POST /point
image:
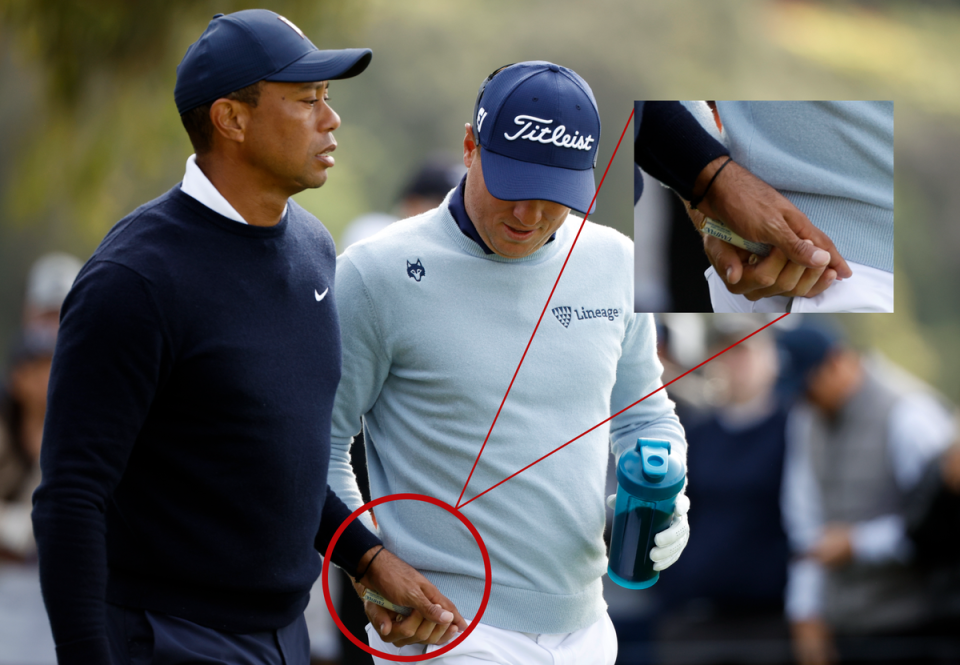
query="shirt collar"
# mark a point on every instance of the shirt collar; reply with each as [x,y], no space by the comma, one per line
[459,212]
[197,185]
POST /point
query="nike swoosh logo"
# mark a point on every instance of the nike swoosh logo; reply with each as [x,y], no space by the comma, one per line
[320,296]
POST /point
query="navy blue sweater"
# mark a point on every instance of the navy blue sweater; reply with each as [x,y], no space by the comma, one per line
[670,145]
[187,437]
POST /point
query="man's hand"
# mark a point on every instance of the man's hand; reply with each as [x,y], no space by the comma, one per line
[435,620]
[812,642]
[773,275]
[671,541]
[835,547]
[950,468]
[758,212]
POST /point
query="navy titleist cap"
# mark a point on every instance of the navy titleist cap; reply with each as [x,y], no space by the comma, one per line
[539,127]
[237,50]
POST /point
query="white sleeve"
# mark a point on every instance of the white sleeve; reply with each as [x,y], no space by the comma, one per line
[804,593]
[920,430]
[365,368]
[800,503]
[801,510]
[881,539]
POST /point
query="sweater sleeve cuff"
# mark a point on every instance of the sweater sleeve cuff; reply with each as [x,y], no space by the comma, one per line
[353,543]
[805,579]
[92,651]
[673,147]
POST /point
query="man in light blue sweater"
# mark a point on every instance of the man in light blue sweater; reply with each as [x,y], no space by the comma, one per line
[435,313]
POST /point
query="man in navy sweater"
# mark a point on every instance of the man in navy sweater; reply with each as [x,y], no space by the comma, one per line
[185,454]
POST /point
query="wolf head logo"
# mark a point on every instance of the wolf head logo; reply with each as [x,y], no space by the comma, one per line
[563,314]
[416,270]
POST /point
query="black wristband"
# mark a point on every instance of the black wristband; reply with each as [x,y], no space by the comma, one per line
[697,200]
[372,559]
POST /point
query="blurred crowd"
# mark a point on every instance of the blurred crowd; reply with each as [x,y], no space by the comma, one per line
[24,631]
[825,504]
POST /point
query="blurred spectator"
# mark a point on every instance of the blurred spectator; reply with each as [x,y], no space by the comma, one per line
[681,344]
[24,630]
[723,600]
[364,226]
[23,404]
[430,185]
[857,445]
[426,190]
[23,400]
[48,283]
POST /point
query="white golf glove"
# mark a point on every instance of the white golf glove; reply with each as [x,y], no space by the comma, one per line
[671,541]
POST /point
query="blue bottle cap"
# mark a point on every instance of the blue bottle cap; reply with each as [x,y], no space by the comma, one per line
[648,471]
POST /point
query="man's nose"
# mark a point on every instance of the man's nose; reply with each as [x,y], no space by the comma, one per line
[529,213]
[329,121]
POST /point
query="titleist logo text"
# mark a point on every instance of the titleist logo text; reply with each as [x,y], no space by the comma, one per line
[541,133]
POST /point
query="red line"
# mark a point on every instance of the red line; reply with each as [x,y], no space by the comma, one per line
[621,411]
[545,305]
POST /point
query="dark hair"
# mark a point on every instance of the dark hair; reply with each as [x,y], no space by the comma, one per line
[197,121]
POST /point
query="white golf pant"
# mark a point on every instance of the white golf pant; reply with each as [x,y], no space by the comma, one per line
[869,290]
[594,645]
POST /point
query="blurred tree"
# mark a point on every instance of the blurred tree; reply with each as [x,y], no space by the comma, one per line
[104,135]
[78,40]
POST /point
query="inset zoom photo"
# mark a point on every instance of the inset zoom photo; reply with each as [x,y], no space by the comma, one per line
[763,206]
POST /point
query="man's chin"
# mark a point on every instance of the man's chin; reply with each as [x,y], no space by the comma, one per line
[514,250]
[313,181]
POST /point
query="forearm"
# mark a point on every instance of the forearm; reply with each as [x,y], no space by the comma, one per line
[71,543]
[638,375]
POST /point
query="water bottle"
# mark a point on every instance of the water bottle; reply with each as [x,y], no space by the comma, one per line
[649,479]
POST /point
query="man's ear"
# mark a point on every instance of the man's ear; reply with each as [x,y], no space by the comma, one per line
[230,119]
[470,148]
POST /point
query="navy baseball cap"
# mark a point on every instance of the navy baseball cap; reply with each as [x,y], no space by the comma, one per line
[239,49]
[802,350]
[540,129]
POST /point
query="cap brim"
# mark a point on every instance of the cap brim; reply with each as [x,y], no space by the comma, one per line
[325,66]
[513,180]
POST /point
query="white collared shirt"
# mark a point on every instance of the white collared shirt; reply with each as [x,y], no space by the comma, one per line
[197,185]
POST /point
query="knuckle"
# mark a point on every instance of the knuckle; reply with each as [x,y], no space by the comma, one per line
[800,246]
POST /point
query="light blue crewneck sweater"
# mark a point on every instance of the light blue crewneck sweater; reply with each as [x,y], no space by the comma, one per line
[426,363]
[831,159]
